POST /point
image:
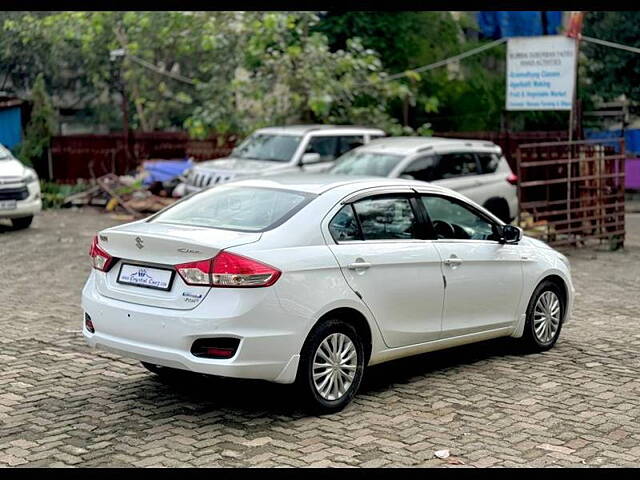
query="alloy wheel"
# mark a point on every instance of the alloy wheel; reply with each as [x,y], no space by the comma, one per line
[546,316]
[334,366]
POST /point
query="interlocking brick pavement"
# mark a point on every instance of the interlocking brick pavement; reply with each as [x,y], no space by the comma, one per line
[63,404]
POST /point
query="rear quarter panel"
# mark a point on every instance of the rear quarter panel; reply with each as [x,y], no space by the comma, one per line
[311,285]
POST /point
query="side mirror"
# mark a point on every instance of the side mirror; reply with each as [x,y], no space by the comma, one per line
[511,234]
[309,158]
[407,176]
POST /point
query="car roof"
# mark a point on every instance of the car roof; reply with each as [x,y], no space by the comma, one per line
[321,182]
[304,129]
[411,145]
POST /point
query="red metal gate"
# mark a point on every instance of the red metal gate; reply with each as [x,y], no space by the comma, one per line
[572,192]
[87,156]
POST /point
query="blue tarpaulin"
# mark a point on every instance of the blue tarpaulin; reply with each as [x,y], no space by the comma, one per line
[164,170]
[499,24]
[10,127]
[631,138]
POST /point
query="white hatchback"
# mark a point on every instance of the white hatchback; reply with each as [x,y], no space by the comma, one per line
[474,168]
[309,279]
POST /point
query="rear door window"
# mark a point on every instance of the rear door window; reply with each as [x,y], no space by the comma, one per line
[488,162]
[423,169]
[386,218]
[453,165]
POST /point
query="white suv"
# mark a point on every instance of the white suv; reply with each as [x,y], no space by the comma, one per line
[19,191]
[474,168]
[275,150]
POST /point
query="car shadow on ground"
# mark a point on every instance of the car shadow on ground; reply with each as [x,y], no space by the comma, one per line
[202,394]
[383,376]
[7,227]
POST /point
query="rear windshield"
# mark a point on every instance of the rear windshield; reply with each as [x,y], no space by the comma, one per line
[366,163]
[245,209]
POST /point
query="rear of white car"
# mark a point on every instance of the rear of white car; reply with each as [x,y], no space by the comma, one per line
[20,196]
[151,296]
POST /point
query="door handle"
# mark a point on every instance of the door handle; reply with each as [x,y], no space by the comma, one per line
[357,265]
[453,262]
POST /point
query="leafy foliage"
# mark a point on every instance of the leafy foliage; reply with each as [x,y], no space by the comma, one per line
[609,72]
[41,126]
[285,74]
[232,72]
[54,194]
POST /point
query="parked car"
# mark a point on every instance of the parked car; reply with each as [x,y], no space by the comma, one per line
[275,150]
[310,278]
[474,168]
[19,190]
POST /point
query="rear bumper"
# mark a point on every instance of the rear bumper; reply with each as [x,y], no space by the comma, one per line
[268,348]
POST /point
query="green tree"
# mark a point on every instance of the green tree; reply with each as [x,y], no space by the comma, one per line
[41,126]
[286,73]
[608,73]
[403,40]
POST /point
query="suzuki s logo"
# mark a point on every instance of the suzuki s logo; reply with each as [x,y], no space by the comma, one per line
[139,243]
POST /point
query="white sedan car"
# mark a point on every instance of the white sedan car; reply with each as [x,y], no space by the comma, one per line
[309,279]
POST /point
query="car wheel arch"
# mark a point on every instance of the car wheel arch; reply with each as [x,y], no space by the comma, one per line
[549,276]
[558,281]
[353,317]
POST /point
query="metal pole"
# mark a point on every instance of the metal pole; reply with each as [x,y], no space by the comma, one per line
[519,186]
[50,162]
[570,145]
[125,126]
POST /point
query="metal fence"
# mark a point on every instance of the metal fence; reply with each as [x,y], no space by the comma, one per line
[87,156]
[572,192]
[510,141]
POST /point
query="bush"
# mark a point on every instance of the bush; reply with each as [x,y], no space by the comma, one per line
[53,194]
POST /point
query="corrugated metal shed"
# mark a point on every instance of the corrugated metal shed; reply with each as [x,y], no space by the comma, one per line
[10,122]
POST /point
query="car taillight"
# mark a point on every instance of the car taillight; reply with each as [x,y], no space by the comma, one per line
[228,270]
[100,259]
[512,178]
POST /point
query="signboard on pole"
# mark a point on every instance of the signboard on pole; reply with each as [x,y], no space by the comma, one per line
[541,73]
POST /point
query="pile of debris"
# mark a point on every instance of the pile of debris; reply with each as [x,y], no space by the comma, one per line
[149,189]
[540,229]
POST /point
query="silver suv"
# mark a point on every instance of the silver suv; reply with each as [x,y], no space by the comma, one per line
[274,150]
[474,168]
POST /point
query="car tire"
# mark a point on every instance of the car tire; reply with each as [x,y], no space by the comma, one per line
[22,222]
[329,389]
[545,315]
[500,208]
